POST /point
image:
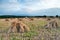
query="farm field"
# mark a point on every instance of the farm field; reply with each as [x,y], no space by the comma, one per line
[38,31]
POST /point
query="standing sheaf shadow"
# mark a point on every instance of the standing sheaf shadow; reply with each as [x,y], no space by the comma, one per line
[18,27]
[52,24]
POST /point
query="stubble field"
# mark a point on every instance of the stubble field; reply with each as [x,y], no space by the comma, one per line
[37,29]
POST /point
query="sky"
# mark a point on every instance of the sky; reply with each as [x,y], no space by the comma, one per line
[29,7]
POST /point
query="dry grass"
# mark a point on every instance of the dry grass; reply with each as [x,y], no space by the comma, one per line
[37,30]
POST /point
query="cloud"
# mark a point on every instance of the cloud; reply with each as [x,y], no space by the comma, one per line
[10,6]
[34,5]
[28,5]
[15,1]
[44,4]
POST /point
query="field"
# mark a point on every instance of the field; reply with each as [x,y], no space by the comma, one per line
[37,29]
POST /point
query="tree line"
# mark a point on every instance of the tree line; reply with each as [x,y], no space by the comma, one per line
[13,16]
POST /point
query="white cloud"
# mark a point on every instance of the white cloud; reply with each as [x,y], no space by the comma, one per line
[44,4]
[10,7]
[13,1]
[30,5]
[34,5]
